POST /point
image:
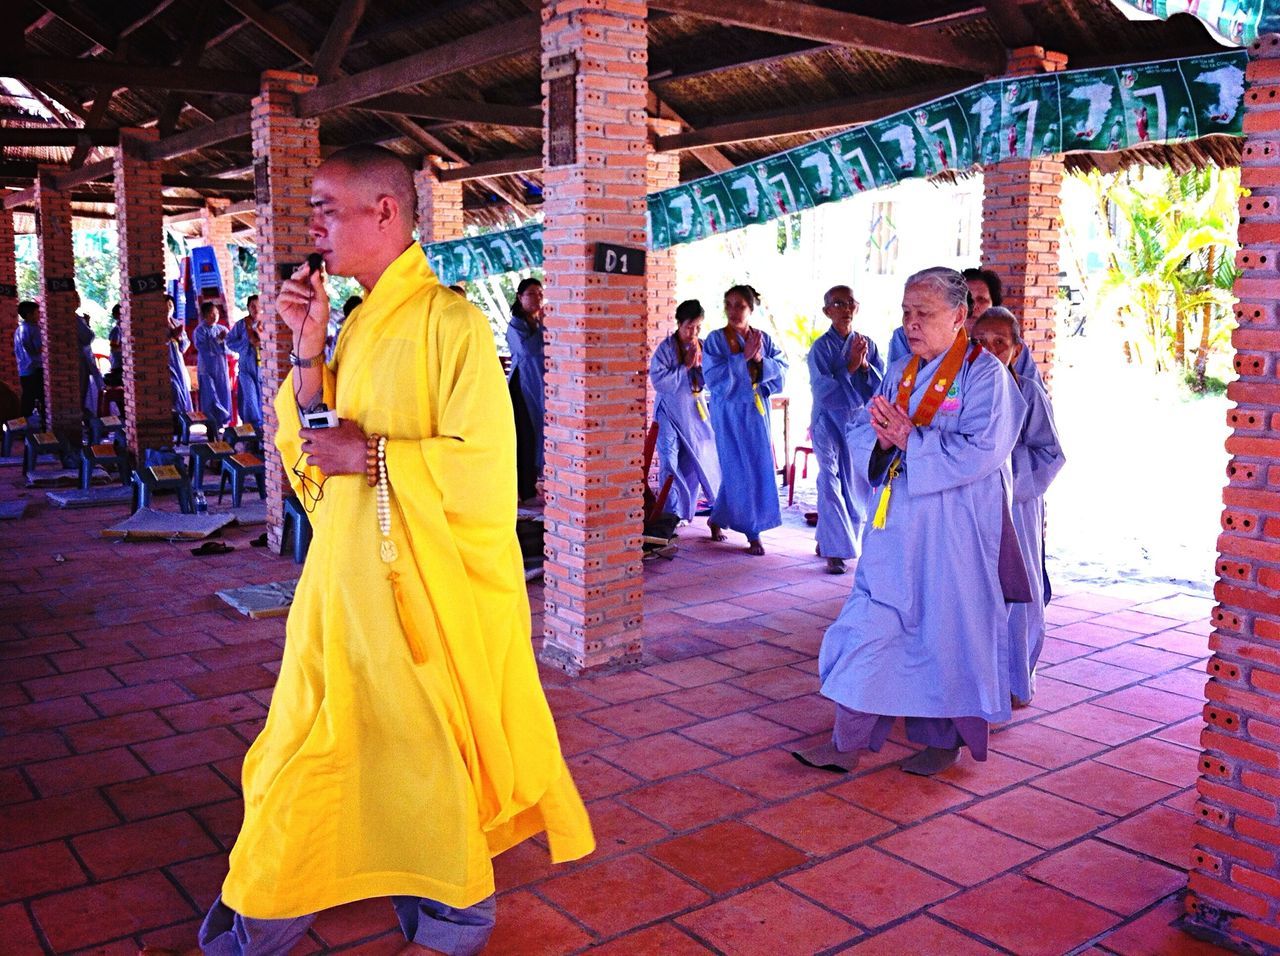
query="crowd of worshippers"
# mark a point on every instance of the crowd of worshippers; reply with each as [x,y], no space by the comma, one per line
[933,462]
[223,396]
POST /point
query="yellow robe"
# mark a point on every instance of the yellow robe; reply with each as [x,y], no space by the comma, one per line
[375,774]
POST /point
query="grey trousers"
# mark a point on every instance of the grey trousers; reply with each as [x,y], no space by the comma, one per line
[458,932]
[855,730]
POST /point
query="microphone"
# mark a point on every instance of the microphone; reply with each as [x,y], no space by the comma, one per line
[315,261]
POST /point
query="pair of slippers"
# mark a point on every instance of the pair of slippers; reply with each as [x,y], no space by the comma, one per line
[217,547]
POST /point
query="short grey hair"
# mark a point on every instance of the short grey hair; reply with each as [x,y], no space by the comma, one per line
[949,283]
[998,313]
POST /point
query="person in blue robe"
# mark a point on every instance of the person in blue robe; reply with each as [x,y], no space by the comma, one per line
[244,341]
[845,369]
[211,368]
[91,381]
[985,290]
[743,368]
[179,384]
[115,340]
[1037,459]
[525,383]
[924,633]
[686,441]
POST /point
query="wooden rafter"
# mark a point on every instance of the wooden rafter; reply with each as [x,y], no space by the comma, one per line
[328,60]
[810,22]
[85,23]
[462,111]
[508,166]
[198,38]
[1011,23]
[100,73]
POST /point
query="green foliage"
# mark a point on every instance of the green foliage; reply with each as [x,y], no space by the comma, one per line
[1171,268]
[28,258]
[244,269]
[798,333]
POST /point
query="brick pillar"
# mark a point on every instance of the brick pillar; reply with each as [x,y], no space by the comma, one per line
[58,309]
[1234,887]
[215,228]
[286,152]
[662,171]
[8,303]
[1020,227]
[439,206]
[594,56]
[144,320]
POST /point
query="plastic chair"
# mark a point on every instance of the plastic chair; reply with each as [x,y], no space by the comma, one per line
[237,469]
[297,526]
[805,450]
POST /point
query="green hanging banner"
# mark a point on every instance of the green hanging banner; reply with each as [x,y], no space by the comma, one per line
[1104,110]
[1234,21]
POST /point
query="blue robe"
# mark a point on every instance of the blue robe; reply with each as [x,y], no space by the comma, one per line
[178,384]
[686,441]
[248,382]
[748,499]
[1037,459]
[837,395]
[1024,366]
[211,372]
[528,364]
[924,632]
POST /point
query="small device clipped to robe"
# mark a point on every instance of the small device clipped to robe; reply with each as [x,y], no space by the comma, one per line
[322,416]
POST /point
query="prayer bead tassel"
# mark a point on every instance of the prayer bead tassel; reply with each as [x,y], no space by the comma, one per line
[388,549]
[759,402]
[882,509]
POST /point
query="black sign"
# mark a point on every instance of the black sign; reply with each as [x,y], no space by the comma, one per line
[139,285]
[8,290]
[621,260]
[60,284]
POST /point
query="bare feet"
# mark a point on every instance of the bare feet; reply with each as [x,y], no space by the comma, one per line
[929,761]
[835,565]
[717,533]
[755,547]
[826,757]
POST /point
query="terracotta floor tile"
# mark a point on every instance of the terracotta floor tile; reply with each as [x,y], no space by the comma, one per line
[902,797]
[92,914]
[1055,694]
[564,699]
[147,696]
[117,731]
[355,921]
[87,770]
[999,912]
[693,672]
[1187,682]
[660,755]
[714,700]
[727,856]
[1135,657]
[1058,614]
[164,793]
[134,847]
[768,920]
[1179,641]
[771,774]
[524,863]
[580,736]
[739,734]
[1035,743]
[620,894]
[201,878]
[869,887]
[1092,601]
[639,718]
[665,939]
[22,824]
[958,849]
[214,712]
[1154,932]
[921,935]
[819,823]
[526,926]
[1056,650]
[988,776]
[1092,634]
[1137,622]
[810,714]
[1105,788]
[779,683]
[232,680]
[1036,817]
[1186,733]
[222,820]
[619,829]
[1153,704]
[1157,759]
[1159,832]
[757,657]
[45,715]
[1183,607]
[629,685]
[35,870]
[1102,874]
[1094,674]
[595,778]
[187,750]
[14,787]
[65,685]
[1099,723]
[687,801]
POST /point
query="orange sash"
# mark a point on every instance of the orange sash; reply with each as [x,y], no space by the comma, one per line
[943,379]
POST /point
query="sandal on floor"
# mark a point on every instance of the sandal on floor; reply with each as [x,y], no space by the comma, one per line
[211,547]
[260,541]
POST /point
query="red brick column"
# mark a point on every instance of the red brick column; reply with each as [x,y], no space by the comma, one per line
[286,152]
[1235,862]
[144,320]
[215,228]
[594,177]
[439,206]
[662,171]
[58,309]
[8,304]
[1020,227]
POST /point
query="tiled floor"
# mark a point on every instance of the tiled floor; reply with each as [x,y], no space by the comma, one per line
[128,695]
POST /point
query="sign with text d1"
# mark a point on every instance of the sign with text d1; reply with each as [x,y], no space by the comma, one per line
[620,260]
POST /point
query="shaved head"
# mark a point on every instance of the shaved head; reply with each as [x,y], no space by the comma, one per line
[377,172]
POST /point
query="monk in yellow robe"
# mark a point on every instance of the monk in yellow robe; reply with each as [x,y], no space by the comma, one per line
[409,740]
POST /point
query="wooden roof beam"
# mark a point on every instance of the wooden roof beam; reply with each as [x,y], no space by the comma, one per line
[84,23]
[30,136]
[850,112]
[1011,23]
[809,22]
[328,59]
[275,27]
[100,73]
[460,111]
[507,166]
